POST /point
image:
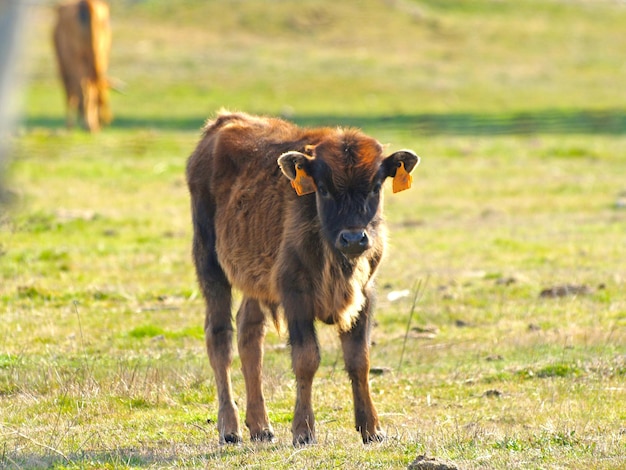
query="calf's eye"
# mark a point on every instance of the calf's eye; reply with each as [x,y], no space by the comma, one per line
[322,191]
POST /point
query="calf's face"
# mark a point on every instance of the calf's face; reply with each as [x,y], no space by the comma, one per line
[347,182]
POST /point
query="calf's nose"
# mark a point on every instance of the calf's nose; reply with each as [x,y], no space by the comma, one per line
[353,242]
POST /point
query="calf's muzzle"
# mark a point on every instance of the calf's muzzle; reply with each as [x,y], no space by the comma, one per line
[352,242]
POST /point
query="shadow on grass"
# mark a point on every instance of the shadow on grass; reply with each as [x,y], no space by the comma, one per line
[115,458]
[609,122]
[166,455]
[123,122]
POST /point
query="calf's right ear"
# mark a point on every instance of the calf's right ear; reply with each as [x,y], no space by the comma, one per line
[297,167]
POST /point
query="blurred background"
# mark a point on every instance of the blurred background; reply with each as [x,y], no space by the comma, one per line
[460,67]
[500,336]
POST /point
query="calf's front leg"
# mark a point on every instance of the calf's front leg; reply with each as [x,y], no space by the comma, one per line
[305,359]
[355,345]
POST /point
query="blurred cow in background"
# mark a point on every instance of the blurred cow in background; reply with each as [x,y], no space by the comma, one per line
[82,41]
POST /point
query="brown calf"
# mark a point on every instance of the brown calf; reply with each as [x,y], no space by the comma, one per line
[310,248]
[82,42]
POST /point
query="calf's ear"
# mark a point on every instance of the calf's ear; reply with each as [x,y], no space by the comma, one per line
[398,166]
[297,167]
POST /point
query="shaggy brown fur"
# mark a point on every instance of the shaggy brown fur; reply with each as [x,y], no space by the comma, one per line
[312,256]
[82,41]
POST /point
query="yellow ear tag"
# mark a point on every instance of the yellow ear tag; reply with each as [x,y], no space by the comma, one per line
[303,183]
[402,180]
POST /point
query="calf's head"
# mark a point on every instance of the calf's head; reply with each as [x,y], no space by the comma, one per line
[346,174]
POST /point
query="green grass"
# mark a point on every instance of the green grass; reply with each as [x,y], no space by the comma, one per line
[518,112]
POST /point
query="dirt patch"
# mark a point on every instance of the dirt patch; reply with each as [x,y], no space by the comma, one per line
[565,290]
[430,463]
[380,370]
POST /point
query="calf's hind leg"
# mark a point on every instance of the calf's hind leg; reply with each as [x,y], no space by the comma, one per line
[250,336]
[218,332]
[218,324]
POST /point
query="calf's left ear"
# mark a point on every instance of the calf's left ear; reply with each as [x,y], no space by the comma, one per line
[297,167]
[399,165]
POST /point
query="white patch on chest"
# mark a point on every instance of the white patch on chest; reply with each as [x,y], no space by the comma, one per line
[341,298]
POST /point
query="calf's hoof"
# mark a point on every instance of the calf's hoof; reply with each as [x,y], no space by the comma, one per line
[265,435]
[303,439]
[378,436]
[230,438]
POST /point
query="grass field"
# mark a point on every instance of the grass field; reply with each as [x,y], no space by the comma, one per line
[518,111]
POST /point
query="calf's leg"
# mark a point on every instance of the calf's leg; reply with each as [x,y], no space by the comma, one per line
[218,327]
[305,353]
[355,345]
[250,336]
[218,332]
[305,359]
